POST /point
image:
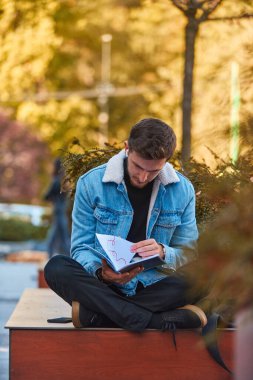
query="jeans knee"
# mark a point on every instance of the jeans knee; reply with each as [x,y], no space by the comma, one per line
[56,269]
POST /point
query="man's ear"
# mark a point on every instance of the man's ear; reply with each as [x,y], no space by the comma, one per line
[126,147]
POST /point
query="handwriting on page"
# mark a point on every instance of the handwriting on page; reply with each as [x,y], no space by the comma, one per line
[111,247]
[117,249]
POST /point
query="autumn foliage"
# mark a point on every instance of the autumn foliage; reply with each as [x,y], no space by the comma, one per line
[22,163]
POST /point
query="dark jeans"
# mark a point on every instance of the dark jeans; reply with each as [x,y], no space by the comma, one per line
[67,278]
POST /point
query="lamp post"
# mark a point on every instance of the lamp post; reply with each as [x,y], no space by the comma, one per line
[105,89]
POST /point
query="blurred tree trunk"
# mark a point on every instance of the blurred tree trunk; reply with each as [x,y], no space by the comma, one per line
[191,31]
[196,12]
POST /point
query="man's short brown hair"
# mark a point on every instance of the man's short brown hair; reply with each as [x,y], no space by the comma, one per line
[152,139]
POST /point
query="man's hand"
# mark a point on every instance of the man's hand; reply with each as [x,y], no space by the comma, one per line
[147,248]
[118,278]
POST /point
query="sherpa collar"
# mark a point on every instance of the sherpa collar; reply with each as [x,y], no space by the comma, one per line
[115,171]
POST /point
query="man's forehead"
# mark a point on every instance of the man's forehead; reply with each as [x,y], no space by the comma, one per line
[147,164]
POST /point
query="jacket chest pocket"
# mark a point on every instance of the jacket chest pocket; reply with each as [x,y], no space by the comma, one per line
[168,220]
[106,221]
[165,226]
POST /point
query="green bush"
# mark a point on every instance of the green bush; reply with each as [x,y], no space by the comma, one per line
[212,186]
[18,230]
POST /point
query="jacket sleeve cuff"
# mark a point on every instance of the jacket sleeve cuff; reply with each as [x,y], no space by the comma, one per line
[170,257]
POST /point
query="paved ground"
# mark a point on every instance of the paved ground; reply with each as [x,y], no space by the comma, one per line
[7,247]
[14,278]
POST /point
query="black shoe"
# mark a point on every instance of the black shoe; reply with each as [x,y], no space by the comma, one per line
[186,317]
[82,317]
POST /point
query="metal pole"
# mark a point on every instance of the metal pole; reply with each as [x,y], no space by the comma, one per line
[106,58]
[104,88]
[234,117]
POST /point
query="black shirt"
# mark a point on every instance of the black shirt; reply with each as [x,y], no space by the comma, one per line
[140,199]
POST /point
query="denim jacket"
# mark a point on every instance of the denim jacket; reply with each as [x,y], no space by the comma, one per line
[102,206]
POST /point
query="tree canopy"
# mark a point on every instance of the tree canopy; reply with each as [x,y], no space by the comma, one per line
[51,57]
[21,167]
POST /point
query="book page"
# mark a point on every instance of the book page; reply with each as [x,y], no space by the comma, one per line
[117,249]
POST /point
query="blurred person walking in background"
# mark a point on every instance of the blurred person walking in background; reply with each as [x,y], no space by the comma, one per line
[58,239]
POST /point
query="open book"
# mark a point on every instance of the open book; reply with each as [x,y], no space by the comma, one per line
[118,255]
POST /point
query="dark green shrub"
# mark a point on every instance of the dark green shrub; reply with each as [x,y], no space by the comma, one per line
[226,251]
[19,230]
[77,164]
[210,185]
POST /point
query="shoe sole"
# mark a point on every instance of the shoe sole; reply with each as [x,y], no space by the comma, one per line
[75,314]
[200,313]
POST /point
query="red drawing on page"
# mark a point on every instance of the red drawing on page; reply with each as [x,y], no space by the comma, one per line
[111,248]
[111,242]
[116,256]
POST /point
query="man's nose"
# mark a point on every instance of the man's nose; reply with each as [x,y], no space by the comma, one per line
[143,176]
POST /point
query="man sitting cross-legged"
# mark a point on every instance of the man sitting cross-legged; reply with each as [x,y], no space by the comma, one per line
[138,196]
